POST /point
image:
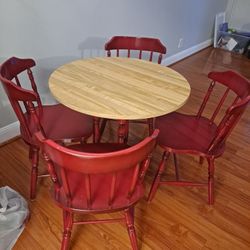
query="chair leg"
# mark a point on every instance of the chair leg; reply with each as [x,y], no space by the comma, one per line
[123,127]
[129,217]
[150,126]
[34,153]
[97,131]
[67,228]
[102,127]
[210,181]
[176,167]
[158,176]
[126,132]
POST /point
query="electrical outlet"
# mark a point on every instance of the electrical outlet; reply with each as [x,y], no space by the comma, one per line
[180,44]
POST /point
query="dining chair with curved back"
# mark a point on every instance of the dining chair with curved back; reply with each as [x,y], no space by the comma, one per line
[57,122]
[199,135]
[101,178]
[141,45]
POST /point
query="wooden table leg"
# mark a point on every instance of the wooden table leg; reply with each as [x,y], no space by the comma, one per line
[96,136]
[151,125]
[122,131]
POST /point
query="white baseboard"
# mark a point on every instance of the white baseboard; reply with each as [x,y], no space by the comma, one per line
[9,131]
[187,52]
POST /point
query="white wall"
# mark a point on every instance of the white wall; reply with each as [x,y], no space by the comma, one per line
[238,14]
[54,32]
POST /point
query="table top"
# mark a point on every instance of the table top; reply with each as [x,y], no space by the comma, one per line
[119,88]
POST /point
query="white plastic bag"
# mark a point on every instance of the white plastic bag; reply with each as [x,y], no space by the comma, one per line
[13,212]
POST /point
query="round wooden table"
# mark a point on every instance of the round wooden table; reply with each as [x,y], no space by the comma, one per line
[119,88]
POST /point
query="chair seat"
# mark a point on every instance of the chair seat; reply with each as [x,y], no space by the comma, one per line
[100,196]
[60,122]
[186,132]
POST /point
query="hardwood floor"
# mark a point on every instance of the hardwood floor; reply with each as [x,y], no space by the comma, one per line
[178,217]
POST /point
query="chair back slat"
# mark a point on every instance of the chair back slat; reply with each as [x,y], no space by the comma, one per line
[112,189]
[34,87]
[144,168]
[128,53]
[52,173]
[65,185]
[134,181]
[19,84]
[88,189]
[140,54]
[222,100]
[137,44]
[24,103]
[159,58]
[20,116]
[206,98]
[151,56]
[17,81]
[35,118]
[107,166]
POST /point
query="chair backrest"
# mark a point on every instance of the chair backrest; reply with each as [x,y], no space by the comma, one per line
[63,162]
[140,44]
[9,71]
[240,87]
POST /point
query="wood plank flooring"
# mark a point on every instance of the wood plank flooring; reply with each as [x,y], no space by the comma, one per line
[178,218]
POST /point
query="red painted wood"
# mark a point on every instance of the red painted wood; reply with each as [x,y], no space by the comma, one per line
[219,105]
[176,167]
[96,129]
[122,131]
[67,226]
[201,136]
[135,43]
[104,221]
[98,178]
[141,45]
[129,217]
[157,178]
[112,189]
[144,169]
[134,181]
[51,120]
[206,98]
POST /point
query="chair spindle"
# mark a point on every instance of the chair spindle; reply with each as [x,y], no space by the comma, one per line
[88,190]
[112,189]
[134,180]
[151,56]
[220,105]
[203,105]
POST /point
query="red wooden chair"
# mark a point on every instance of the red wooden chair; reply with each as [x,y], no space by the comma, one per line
[142,45]
[102,178]
[198,135]
[56,121]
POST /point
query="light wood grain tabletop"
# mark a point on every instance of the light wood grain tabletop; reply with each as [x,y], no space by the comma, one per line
[119,88]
